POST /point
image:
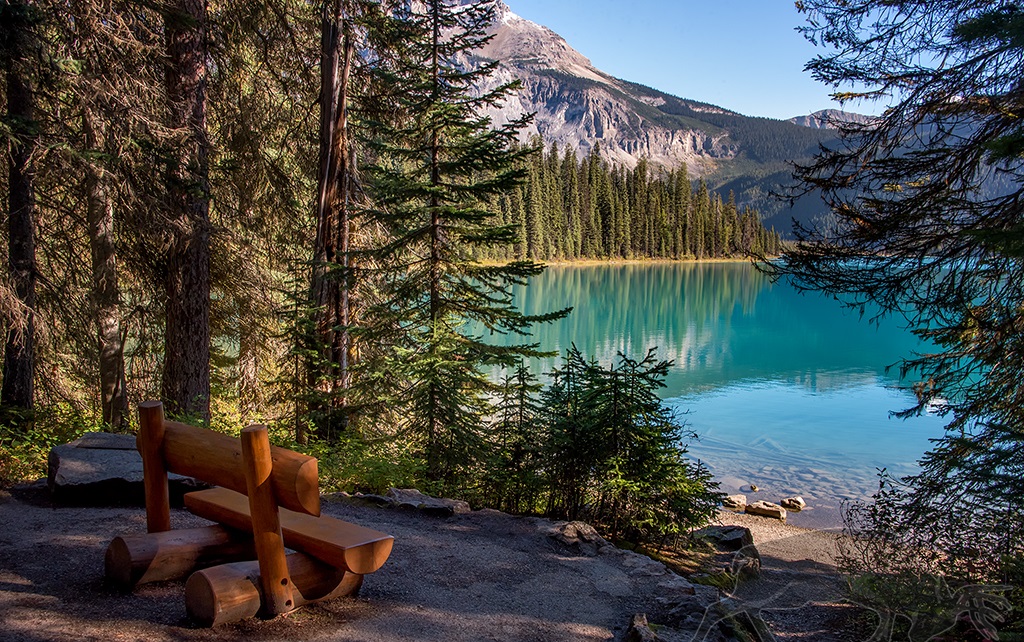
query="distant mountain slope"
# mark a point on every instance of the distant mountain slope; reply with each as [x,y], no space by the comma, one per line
[827,118]
[580,106]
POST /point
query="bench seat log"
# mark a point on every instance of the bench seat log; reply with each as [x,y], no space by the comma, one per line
[171,555]
[217,458]
[341,544]
[229,592]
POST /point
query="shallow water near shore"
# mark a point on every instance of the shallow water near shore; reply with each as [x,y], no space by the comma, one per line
[789,392]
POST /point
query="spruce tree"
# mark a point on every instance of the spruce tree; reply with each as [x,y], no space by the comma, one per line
[438,165]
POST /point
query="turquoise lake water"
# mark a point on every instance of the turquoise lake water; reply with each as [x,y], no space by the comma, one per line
[786,391]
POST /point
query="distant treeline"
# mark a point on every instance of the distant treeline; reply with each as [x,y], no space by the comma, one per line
[585,208]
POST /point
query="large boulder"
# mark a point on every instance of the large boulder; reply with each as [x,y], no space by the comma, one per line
[104,469]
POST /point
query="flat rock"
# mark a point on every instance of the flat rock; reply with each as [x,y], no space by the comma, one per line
[766,509]
[103,469]
[412,499]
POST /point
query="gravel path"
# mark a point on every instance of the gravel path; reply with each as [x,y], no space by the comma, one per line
[799,593]
[474,577]
[480,576]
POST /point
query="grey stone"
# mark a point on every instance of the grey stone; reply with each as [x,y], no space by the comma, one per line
[735,502]
[794,503]
[727,538]
[429,505]
[675,586]
[767,509]
[581,537]
[106,441]
[95,475]
[359,500]
[638,565]
[639,630]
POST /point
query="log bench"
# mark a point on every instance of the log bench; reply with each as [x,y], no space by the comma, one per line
[266,499]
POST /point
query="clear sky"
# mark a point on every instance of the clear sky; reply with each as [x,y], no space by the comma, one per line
[743,55]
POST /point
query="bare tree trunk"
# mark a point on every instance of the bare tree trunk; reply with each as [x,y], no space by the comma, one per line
[106,292]
[331,292]
[19,353]
[186,377]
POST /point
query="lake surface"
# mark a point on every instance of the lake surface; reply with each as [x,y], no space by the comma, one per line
[786,391]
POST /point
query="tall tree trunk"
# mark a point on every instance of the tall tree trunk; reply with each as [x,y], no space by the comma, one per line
[106,292]
[186,376]
[331,281]
[19,353]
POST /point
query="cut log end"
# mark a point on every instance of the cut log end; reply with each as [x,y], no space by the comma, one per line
[117,565]
[221,595]
[229,593]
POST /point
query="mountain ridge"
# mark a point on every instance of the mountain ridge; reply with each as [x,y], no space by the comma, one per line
[579,106]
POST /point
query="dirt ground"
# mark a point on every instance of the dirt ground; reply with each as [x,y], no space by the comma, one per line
[474,577]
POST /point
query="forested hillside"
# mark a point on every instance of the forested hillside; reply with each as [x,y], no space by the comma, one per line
[583,208]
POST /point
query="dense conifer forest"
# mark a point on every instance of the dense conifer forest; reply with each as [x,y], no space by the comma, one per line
[573,208]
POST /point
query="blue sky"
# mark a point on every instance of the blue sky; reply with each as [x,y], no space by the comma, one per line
[740,54]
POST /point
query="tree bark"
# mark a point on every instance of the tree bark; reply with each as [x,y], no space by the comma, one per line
[19,354]
[186,376]
[331,293]
[106,292]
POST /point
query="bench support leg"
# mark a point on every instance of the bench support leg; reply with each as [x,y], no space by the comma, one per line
[266,522]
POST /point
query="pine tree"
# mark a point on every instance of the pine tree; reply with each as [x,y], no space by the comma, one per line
[438,166]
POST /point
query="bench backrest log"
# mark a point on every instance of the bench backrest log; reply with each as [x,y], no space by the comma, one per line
[270,477]
[215,458]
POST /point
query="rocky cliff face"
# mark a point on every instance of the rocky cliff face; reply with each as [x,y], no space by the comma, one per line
[580,106]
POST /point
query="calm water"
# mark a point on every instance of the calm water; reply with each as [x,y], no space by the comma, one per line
[786,391]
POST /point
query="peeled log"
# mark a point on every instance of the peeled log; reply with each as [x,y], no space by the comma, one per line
[229,592]
[155,557]
[354,548]
[217,458]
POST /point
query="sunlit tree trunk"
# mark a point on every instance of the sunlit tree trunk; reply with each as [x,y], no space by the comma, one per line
[186,376]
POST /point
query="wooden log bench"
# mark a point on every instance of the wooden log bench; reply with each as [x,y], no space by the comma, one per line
[267,499]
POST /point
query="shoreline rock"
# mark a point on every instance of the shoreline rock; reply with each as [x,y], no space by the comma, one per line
[766,509]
